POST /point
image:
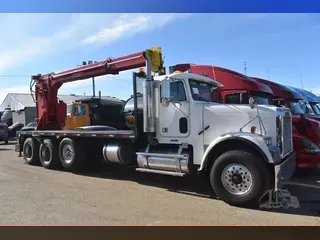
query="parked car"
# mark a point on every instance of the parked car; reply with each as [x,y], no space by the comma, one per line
[29,127]
[14,128]
[4,133]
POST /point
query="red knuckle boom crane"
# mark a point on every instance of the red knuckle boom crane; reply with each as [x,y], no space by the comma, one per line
[51,113]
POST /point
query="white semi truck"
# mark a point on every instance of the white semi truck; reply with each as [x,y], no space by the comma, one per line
[175,128]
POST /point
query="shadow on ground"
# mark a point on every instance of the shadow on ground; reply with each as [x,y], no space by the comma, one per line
[8,144]
[5,149]
[309,197]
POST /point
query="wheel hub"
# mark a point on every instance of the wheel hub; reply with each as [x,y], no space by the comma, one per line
[67,153]
[236,179]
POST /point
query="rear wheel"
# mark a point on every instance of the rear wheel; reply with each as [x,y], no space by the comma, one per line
[72,154]
[48,154]
[240,178]
[30,151]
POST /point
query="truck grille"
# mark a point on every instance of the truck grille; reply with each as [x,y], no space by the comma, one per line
[284,131]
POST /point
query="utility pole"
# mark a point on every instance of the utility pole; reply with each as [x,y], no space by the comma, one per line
[301,82]
[93,87]
[245,68]
[93,82]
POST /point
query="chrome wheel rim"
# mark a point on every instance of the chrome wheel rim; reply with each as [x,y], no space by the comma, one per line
[67,153]
[236,179]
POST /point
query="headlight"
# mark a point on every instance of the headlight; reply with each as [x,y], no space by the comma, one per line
[309,146]
[268,141]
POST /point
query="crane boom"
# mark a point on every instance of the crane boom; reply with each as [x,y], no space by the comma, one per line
[51,113]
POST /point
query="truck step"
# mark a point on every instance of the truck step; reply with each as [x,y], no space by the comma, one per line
[176,174]
[160,155]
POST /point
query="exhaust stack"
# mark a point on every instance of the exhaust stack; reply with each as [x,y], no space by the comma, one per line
[148,100]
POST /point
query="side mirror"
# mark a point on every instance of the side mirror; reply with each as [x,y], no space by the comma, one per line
[252,103]
[165,92]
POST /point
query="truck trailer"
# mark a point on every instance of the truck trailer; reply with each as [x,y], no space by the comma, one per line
[170,129]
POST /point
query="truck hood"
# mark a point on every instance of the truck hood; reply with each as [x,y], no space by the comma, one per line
[226,118]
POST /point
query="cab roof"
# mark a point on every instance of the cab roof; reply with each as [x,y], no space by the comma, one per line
[230,79]
[307,96]
[186,75]
[279,90]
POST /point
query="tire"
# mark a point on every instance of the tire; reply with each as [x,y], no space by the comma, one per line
[72,154]
[6,142]
[49,155]
[249,168]
[30,151]
[285,204]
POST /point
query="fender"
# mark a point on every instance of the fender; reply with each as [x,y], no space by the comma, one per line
[254,140]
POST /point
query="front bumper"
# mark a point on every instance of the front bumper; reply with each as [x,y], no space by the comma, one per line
[3,138]
[308,160]
[284,170]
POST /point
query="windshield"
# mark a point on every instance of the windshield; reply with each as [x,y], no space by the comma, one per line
[315,107]
[69,109]
[307,109]
[202,91]
[32,124]
[296,107]
[261,100]
[243,98]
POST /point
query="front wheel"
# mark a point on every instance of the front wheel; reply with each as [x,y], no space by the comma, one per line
[240,178]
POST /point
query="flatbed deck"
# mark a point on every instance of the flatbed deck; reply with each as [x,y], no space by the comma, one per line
[114,134]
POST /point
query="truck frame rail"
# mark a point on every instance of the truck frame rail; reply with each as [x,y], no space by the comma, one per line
[114,134]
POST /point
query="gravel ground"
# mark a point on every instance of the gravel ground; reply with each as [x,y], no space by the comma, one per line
[118,195]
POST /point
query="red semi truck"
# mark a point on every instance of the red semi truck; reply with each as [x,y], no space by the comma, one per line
[307,148]
[238,88]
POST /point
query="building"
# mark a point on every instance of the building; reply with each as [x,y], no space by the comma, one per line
[23,107]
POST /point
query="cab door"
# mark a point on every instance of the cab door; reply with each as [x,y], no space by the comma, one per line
[174,118]
[78,116]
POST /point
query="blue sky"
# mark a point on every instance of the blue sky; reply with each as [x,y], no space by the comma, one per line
[286,44]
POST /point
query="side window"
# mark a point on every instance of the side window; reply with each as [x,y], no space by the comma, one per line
[237,98]
[177,91]
[79,110]
[233,98]
[278,103]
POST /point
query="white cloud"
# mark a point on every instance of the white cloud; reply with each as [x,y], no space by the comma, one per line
[38,36]
[314,90]
[34,36]
[129,24]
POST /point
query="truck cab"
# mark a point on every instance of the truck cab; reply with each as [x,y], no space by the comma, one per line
[237,88]
[310,103]
[306,129]
[93,111]
[77,116]
[185,119]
